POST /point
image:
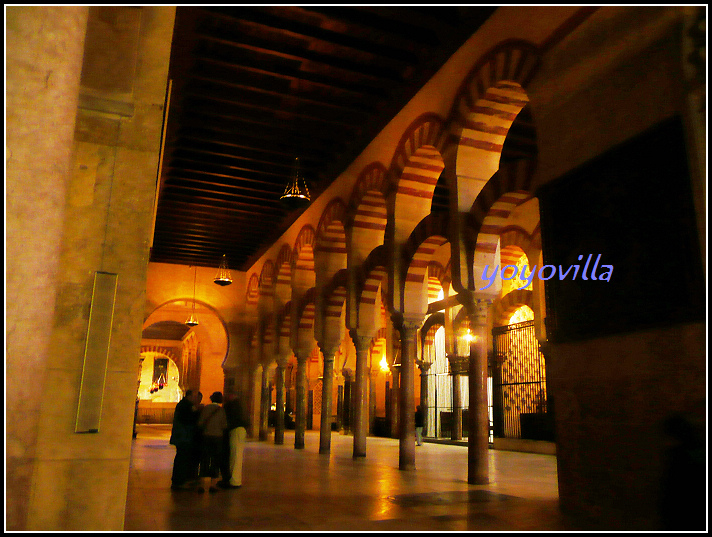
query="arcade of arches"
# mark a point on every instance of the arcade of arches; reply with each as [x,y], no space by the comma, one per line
[377,300]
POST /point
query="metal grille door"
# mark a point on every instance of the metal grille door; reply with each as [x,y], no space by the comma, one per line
[519,383]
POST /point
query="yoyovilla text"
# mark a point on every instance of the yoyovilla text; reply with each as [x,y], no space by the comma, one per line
[547,272]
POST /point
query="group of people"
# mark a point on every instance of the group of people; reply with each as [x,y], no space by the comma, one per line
[209,440]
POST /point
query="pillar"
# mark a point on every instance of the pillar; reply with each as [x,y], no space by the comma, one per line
[279,396]
[255,400]
[406,446]
[43,67]
[424,401]
[478,434]
[372,380]
[327,387]
[456,432]
[395,396]
[301,403]
[360,394]
[264,404]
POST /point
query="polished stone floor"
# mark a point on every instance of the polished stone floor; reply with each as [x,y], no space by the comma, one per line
[299,490]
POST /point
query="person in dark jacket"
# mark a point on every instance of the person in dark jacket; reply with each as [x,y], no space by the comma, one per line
[234,443]
[419,424]
[183,432]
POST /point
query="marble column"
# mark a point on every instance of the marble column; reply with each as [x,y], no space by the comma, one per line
[372,380]
[406,446]
[279,396]
[360,426]
[301,403]
[327,391]
[264,404]
[424,400]
[456,431]
[395,403]
[478,433]
[255,399]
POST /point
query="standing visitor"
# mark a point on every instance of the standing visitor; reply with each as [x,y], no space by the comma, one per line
[212,423]
[419,424]
[182,437]
[235,445]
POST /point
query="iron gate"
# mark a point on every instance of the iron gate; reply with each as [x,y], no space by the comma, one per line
[519,384]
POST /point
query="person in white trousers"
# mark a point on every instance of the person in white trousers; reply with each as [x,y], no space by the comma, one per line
[232,476]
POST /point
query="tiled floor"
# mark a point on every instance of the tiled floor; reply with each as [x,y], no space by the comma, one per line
[299,490]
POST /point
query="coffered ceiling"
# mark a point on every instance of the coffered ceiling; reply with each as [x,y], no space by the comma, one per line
[255,87]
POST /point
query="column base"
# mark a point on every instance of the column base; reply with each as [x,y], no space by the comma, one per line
[406,466]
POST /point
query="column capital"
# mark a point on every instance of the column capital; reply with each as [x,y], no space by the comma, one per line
[424,366]
[478,309]
[410,325]
[361,340]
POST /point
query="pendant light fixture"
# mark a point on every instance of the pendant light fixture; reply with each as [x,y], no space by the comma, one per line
[192,321]
[223,277]
[296,194]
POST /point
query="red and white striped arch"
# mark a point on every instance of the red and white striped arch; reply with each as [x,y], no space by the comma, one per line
[503,308]
[330,250]
[418,252]
[283,275]
[283,347]
[373,274]
[487,103]
[333,304]
[416,166]
[253,293]
[266,286]
[306,313]
[368,213]
[303,276]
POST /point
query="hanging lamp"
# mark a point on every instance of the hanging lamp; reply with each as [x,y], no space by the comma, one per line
[296,193]
[192,321]
[223,277]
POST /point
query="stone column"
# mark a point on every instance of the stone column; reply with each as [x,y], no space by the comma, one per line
[339,407]
[45,47]
[254,406]
[372,380]
[346,406]
[279,396]
[360,426]
[478,434]
[301,403]
[327,390]
[424,401]
[264,405]
[456,431]
[395,395]
[406,451]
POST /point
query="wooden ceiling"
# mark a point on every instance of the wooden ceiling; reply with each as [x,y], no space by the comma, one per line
[253,88]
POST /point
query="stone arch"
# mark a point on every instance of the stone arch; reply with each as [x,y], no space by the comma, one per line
[438,279]
[334,297]
[212,335]
[266,286]
[429,235]
[368,213]
[283,327]
[252,293]
[306,314]
[330,244]
[503,308]
[486,105]
[283,275]
[303,275]
[430,326]
[416,167]
[373,273]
